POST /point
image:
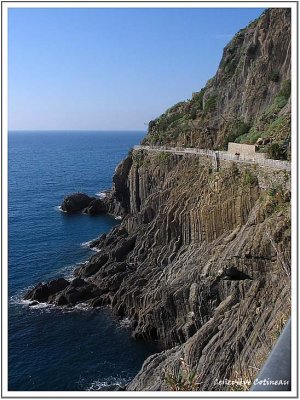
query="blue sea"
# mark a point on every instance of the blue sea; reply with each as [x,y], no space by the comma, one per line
[50,348]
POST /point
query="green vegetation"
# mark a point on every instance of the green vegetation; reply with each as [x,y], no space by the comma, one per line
[210,104]
[231,67]
[162,129]
[249,137]
[231,60]
[151,125]
[185,380]
[285,90]
[237,129]
[137,157]
[193,113]
[276,199]
[273,126]
[175,107]
[249,179]
[277,151]
[273,191]
[233,170]
[252,49]
[197,100]
[280,101]
[169,126]
[274,76]
[187,122]
[163,157]
[232,55]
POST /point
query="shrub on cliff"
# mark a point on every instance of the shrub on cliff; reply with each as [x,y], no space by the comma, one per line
[185,379]
[211,103]
[137,157]
[249,179]
[274,76]
[285,89]
[197,100]
[163,157]
[237,129]
[276,151]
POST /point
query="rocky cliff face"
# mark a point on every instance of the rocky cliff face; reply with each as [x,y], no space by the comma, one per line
[247,99]
[201,265]
[201,261]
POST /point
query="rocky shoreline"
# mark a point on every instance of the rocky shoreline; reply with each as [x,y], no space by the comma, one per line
[210,286]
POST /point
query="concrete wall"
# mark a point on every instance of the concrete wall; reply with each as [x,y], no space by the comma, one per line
[243,149]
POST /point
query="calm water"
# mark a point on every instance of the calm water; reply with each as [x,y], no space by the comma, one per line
[51,349]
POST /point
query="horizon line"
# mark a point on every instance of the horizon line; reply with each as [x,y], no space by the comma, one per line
[76,130]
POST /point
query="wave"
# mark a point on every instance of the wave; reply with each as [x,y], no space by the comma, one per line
[118,217]
[39,306]
[102,195]
[18,300]
[68,270]
[95,249]
[88,243]
[82,307]
[47,307]
[58,208]
[110,383]
[125,323]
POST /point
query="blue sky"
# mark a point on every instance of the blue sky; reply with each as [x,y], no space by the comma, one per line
[111,69]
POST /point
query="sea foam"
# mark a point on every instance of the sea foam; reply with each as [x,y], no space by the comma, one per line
[110,383]
[88,243]
[101,195]
[58,208]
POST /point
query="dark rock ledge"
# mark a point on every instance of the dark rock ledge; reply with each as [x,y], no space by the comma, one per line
[81,202]
[61,292]
[95,281]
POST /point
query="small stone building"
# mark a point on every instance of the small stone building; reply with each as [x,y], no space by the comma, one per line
[248,150]
[245,151]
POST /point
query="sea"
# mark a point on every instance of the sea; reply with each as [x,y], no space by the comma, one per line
[52,349]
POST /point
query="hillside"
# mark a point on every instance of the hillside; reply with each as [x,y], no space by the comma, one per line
[247,99]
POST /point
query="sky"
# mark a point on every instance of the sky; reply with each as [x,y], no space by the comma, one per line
[111,69]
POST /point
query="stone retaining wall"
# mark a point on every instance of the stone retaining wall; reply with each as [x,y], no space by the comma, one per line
[253,158]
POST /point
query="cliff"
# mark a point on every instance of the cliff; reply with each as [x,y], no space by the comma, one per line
[247,99]
[201,260]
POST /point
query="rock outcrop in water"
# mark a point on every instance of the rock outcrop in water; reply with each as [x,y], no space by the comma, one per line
[201,260]
[76,202]
[43,291]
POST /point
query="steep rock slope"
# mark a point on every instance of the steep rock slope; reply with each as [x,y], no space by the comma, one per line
[249,93]
[201,265]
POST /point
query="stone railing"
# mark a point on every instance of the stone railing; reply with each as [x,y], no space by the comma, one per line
[221,155]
